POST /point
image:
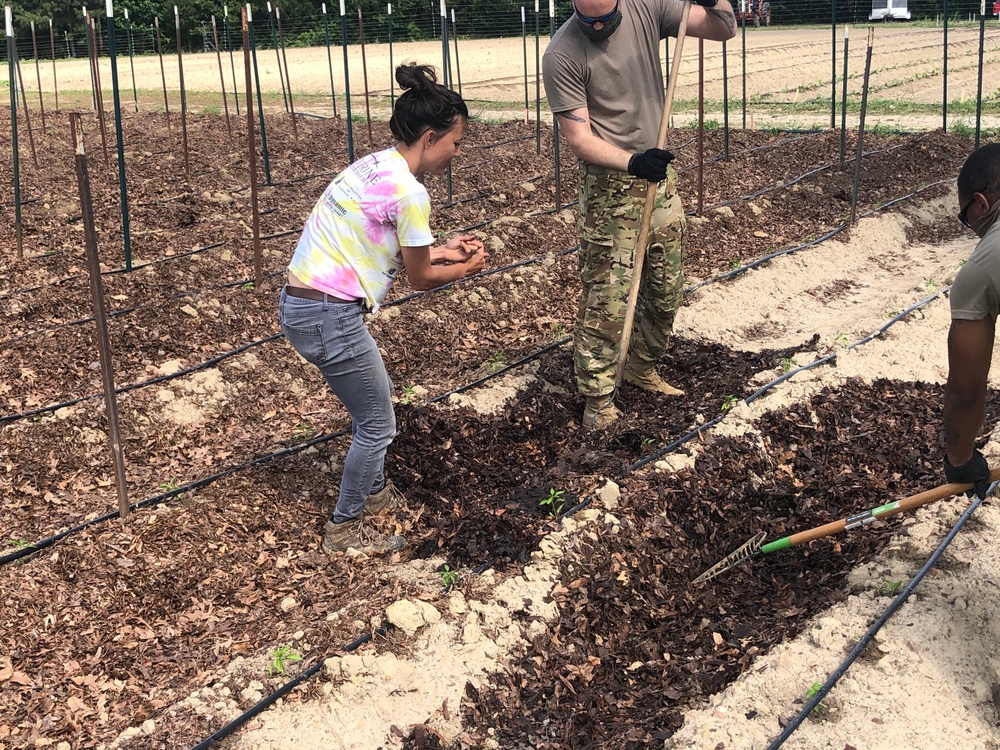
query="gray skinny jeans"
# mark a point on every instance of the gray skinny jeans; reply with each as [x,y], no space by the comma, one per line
[333,336]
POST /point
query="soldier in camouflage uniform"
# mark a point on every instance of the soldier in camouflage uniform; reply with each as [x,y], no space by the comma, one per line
[602,79]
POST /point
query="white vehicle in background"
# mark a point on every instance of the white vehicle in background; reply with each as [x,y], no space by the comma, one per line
[889,10]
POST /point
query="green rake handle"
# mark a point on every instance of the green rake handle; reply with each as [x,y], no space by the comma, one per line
[754,547]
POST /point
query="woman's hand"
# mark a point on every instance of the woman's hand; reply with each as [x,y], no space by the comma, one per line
[461,248]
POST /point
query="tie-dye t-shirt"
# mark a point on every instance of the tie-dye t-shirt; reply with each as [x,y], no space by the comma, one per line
[350,246]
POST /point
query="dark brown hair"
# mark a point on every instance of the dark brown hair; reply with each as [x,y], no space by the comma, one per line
[981,172]
[424,105]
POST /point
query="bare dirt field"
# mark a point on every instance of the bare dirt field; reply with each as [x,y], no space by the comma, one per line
[786,66]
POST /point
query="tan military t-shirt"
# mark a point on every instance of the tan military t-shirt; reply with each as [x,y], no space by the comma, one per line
[975,293]
[619,79]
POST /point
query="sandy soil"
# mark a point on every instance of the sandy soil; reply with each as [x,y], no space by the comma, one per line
[929,681]
[783,65]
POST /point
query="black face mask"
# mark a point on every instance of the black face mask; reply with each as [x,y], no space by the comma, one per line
[606,30]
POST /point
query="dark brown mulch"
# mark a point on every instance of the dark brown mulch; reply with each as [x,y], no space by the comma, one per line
[636,644]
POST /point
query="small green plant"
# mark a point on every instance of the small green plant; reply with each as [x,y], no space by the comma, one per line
[890,587]
[734,264]
[554,502]
[648,442]
[281,657]
[497,360]
[712,125]
[408,393]
[20,543]
[841,340]
[729,402]
[930,285]
[813,689]
[248,286]
[893,313]
[786,363]
[558,331]
[170,485]
[302,431]
[448,576]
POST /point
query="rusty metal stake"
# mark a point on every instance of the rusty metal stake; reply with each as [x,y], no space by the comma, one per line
[52,43]
[97,88]
[364,68]
[180,72]
[163,74]
[27,114]
[38,76]
[258,270]
[288,79]
[100,316]
[701,126]
[222,77]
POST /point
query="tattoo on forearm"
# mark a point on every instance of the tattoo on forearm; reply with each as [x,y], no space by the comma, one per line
[727,16]
[577,118]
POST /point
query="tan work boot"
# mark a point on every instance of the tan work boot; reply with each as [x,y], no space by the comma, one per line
[644,375]
[600,412]
[389,498]
[357,534]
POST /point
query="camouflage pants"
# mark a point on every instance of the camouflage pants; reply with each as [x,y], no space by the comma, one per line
[611,206]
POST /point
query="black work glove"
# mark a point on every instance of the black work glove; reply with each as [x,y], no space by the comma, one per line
[975,471]
[651,164]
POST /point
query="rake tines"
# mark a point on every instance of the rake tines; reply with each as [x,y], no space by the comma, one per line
[743,553]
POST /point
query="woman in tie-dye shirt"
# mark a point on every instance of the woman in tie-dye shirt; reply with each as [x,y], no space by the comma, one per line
[370,223]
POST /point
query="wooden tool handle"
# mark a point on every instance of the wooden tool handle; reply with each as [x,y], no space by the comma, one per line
[647,211]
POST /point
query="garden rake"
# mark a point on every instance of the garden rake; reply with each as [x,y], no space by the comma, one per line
[756,547]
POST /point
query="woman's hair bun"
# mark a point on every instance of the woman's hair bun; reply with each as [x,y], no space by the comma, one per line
[413,76]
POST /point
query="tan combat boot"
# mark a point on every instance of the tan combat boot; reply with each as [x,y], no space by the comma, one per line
[643,375]
[388,498]
[600,412]
[357,534]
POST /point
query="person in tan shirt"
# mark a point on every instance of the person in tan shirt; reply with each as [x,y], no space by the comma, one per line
[975,304]
[603,81]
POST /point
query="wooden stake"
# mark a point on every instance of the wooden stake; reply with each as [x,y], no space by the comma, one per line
[98,93]
[288,79]
[258,269]
[24,101]
[55,82]
[38,76]
[163,74]
[180,72]
[100,317]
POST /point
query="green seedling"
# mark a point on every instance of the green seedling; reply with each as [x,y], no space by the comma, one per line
[842,340]
[248,286]
[302,432]
[281,657]
[891,588]
[813,689]
[729,402]
[408,393]
[497,360]
[553,502]
[734,264]
[930,285]
[448,576]
[170,485]
[894,313]
[557,331]
[786,363]
[648,442]
[20,543]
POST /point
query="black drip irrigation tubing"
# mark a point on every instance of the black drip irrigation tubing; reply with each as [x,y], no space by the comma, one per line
[876,626]
[114,271]
[205,481]
[239,721]
[225,355]
[282,692]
